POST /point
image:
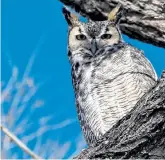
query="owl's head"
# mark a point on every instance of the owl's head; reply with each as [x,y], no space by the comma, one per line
[92,35]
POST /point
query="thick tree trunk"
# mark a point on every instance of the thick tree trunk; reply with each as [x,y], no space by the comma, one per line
[140,134]
[144,19]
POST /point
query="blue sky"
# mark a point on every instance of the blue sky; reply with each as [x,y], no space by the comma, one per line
[37,28]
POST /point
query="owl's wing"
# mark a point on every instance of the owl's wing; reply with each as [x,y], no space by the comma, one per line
[143,64]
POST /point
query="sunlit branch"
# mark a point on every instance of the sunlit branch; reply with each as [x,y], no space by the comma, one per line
[19,142]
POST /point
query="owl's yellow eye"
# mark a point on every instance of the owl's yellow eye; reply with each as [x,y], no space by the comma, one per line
[106,36]
[81,37]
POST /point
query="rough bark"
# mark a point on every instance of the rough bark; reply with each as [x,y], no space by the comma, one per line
[144,19]
[140,134]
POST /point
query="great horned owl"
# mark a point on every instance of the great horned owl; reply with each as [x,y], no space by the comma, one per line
[109,76]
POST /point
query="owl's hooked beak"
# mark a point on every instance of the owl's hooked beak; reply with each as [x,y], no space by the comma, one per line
[93,45]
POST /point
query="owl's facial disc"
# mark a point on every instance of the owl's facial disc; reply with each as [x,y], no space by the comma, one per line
[93,35]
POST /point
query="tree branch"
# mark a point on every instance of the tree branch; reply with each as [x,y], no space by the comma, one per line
[140,134]
[144,19]
[19,142]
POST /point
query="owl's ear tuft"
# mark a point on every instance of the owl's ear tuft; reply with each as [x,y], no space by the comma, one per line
[70,18]
[116,14]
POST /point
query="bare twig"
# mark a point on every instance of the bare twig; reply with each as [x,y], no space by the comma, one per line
[19,142]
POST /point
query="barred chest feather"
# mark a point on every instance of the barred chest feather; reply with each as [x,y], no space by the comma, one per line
[107,86]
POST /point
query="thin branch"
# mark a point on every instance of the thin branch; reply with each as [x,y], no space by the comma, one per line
[19,142]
